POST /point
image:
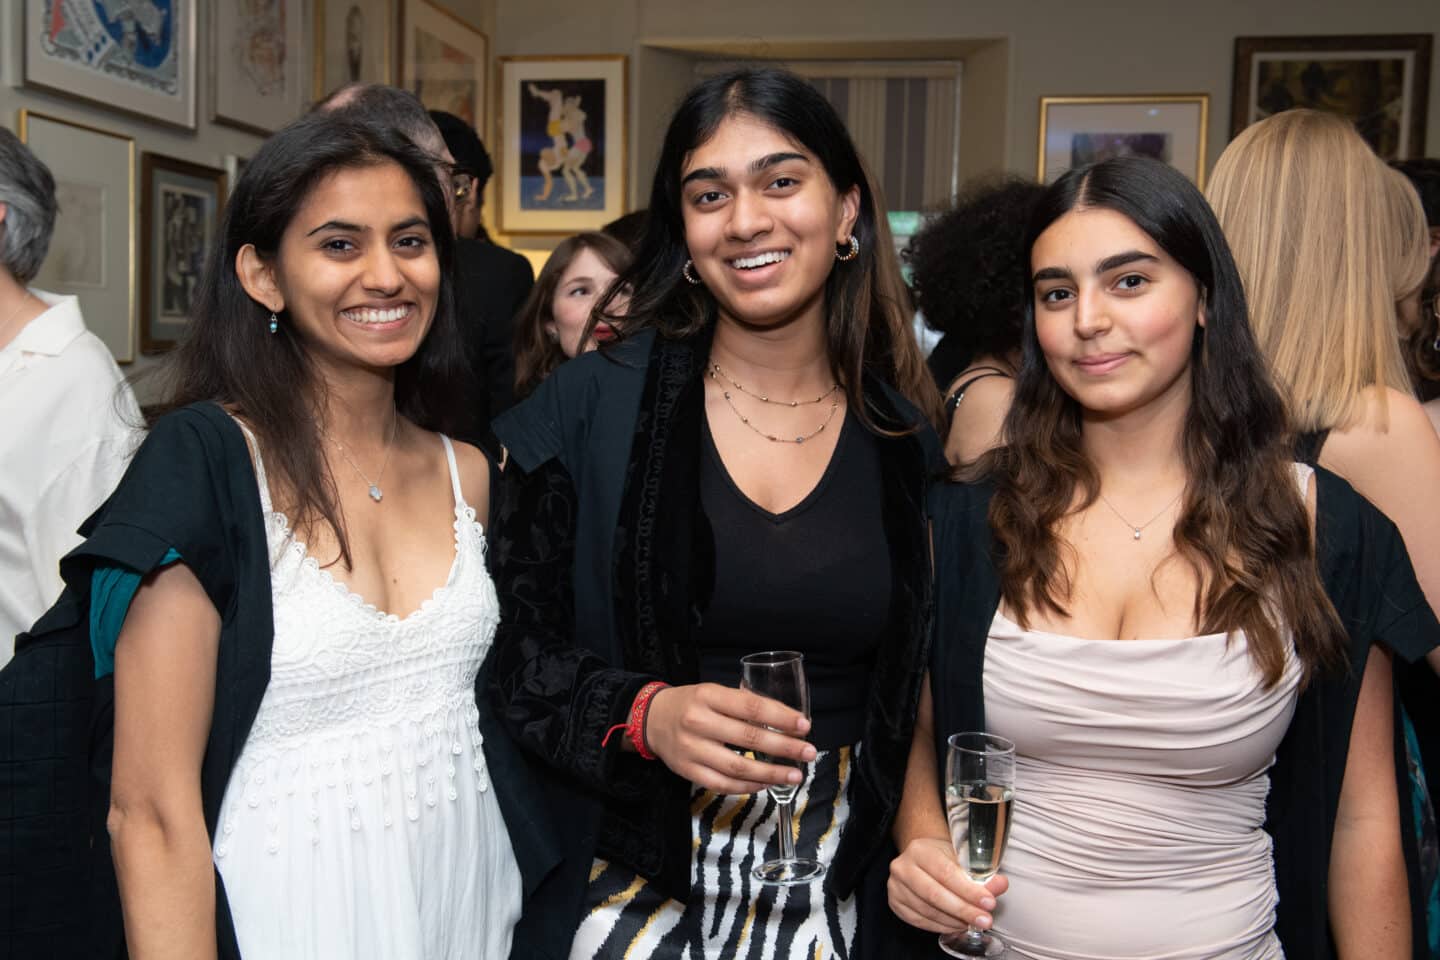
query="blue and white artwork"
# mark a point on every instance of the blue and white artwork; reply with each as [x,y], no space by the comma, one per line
[137,55]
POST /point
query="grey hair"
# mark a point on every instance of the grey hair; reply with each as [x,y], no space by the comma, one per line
[28,192]
[389,107]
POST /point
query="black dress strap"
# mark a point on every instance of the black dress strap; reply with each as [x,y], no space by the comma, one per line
[1309,445]
[958,394]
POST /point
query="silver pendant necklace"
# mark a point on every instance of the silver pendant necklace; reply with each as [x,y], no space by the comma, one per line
[1137,530]
[376,493]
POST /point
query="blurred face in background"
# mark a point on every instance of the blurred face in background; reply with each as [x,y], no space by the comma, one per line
[582,284]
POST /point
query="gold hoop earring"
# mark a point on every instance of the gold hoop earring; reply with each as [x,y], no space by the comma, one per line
[852,254]
[688,272]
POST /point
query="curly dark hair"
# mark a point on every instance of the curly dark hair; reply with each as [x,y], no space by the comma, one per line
[970,271]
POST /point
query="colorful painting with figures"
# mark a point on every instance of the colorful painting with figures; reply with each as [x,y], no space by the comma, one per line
[135,55]
[563,131]
[562,150]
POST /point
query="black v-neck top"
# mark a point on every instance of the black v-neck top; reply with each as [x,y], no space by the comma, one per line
[815,578]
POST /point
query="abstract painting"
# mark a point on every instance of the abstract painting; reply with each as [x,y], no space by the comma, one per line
[131,55]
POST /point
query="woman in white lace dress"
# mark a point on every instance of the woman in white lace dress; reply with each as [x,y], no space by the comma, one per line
[357,820]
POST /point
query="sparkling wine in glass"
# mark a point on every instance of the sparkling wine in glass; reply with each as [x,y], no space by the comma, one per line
[979,792]
[780,675]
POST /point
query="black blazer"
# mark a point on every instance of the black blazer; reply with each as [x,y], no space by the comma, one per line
[491,284]
[1367,575]
[602,560]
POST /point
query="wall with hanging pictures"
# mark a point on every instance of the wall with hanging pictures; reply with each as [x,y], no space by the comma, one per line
[1013,54]
[244,81]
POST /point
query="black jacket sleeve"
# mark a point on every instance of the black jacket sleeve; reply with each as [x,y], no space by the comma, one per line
[558,698]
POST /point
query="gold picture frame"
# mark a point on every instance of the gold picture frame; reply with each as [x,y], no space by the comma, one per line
[1173,127]
[336,30]
[445,61]
[92,248]
[583,100]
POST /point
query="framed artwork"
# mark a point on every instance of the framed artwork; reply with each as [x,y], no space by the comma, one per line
[179,214]
[1075,131]
[1381,83]
[353,43]
[257,63]
[563,133]
[134,57]
[444,62]
[92,248]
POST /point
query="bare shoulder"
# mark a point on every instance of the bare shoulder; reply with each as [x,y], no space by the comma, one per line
[474,469]
[975,426]
[1391,432]
[1432,410]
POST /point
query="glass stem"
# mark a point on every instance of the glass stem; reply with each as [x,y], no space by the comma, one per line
[787,829]
[974,934]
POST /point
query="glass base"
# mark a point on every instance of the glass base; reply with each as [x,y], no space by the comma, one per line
[785,873]
[972,944]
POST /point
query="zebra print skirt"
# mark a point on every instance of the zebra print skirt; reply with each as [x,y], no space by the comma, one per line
[730,913]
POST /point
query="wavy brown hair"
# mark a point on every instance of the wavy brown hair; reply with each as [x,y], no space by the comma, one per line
[537,353]
[868,313]
[1243,526]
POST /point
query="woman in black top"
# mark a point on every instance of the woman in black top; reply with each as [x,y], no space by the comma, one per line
[745,470]
[968,271]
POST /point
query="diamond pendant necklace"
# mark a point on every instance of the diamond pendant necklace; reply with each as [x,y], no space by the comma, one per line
[376,493]
[1141,527]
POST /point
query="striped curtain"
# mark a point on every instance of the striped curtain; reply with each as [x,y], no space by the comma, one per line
[907,130]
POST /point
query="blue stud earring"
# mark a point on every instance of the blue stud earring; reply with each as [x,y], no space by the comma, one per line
[274,322]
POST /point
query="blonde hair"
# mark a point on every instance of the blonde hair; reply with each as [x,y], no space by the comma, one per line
[1326,248]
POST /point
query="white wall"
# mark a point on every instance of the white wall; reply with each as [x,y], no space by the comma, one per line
[208,144]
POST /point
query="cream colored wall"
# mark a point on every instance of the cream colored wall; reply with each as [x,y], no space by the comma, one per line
[1048,47]
[208,144]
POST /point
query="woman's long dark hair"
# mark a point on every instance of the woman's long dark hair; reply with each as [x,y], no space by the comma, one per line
[867,307]
[537,353]
[1243,525]
[228,354]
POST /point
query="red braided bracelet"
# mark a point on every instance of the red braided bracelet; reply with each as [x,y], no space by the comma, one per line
[635,727]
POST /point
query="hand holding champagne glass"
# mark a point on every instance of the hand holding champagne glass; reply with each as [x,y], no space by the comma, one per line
[780,675]
[979,790]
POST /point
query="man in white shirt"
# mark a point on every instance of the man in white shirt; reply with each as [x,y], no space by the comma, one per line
[68,420]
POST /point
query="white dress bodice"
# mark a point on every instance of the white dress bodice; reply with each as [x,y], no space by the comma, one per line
[359,820]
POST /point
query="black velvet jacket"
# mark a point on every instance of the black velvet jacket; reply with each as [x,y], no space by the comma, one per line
[602,557]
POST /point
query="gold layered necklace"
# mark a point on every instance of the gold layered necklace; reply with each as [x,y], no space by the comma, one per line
[717,374]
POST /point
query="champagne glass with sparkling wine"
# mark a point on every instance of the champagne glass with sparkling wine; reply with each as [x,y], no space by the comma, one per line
[780,675]
[979,789]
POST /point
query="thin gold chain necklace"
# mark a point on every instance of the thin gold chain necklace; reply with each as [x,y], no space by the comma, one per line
[715,368]
[834,405]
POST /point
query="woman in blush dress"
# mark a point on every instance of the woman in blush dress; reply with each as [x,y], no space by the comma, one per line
[1128,589]
[290,589]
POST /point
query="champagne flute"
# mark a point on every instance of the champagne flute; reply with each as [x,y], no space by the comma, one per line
[780,675]
[979,790]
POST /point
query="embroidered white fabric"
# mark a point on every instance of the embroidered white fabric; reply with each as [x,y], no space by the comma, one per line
[359,822]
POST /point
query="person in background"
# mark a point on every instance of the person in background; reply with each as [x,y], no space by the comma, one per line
[1326,314]
[744,470]
[1128,589]
[968,273]
[554,324]
[68,416]
[1331,243]
[1424,308]
[491,282]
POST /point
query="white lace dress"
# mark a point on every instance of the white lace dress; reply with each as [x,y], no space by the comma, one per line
[359,822]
